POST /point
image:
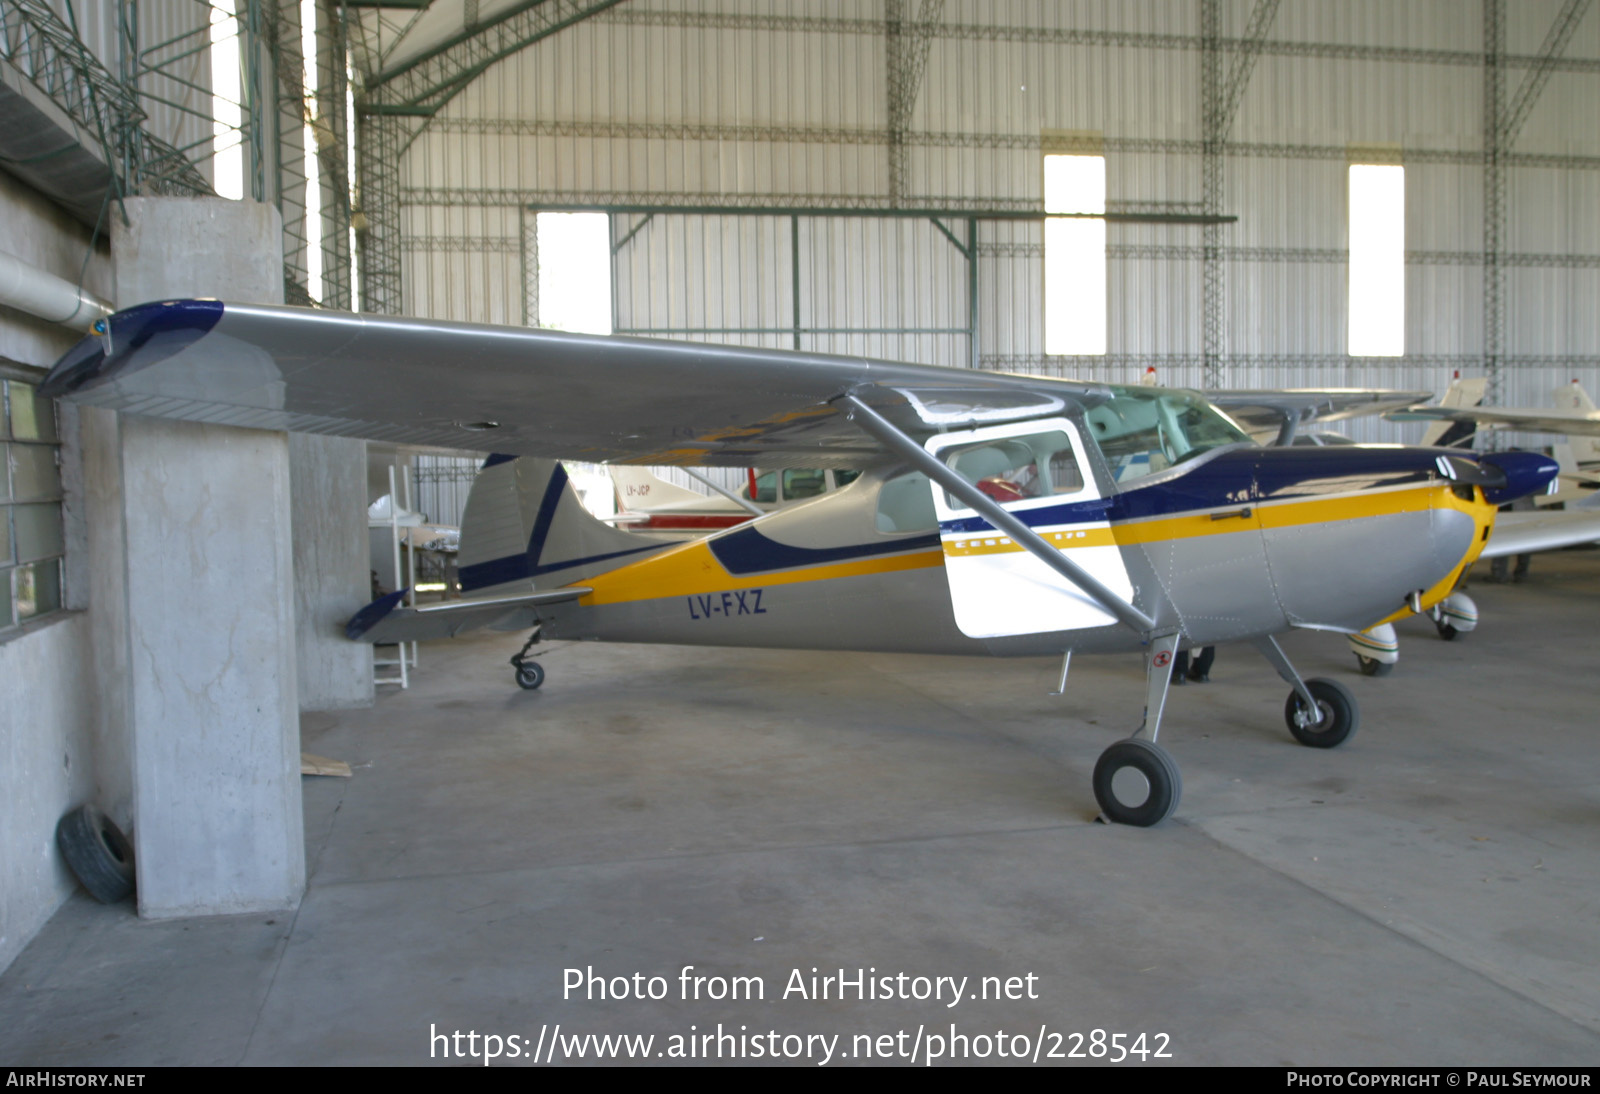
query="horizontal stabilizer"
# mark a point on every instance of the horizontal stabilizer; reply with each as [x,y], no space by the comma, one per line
[384,620]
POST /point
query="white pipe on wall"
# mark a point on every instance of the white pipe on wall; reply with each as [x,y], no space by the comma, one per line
[30,289]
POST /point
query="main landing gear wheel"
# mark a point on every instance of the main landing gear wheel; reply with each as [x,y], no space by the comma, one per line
[99,854]
[1136,783]
[1446,631]
[1371,666]
[530,674]
[1337,715]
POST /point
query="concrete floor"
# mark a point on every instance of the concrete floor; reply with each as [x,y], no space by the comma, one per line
[1425,895]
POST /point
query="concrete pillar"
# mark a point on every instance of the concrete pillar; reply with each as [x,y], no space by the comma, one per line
[331,569]
[210,701]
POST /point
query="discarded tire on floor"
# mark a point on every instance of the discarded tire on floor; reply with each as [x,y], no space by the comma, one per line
[98,853]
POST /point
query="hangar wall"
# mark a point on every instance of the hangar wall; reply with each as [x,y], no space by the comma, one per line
[788,104]
[908,105]
[125,84]
[48,716]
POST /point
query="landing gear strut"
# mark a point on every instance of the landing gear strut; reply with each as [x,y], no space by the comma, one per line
[1135,781]
[530,674]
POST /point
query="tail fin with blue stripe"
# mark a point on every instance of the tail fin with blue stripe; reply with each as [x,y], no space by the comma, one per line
[524,527]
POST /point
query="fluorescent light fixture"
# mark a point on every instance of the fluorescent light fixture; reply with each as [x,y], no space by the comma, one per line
[1377,260]
[1075,256]
[575,272]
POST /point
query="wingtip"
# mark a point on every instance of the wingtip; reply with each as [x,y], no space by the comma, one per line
[132,338]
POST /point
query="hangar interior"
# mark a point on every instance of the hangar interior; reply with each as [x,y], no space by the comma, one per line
[856,177]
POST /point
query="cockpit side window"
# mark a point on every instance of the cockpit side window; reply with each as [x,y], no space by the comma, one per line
[1036,465]
[1143,431]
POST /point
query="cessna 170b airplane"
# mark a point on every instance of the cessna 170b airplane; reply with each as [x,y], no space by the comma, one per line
[998,514]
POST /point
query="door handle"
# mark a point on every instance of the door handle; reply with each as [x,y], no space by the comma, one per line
[1245,512]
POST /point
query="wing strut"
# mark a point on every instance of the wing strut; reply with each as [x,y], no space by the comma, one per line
[743,503]
[881,430]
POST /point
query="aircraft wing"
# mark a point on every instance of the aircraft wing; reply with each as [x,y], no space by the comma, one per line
[519,390]
[1533,421]
[1521,533]
[1262,410]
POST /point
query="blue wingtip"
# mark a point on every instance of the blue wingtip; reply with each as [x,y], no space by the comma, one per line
[370,616]
[132,338]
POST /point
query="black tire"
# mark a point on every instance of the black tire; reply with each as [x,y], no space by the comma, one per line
[1447,632]
[1371,666]
[99,854]
[1340,715]
[530,674]
[1126,800]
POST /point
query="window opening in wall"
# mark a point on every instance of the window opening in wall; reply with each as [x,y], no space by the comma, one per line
[1075,256]
[1377,260]
[308,53]
[351,191]
[31,539]
[226,95]
[575,272]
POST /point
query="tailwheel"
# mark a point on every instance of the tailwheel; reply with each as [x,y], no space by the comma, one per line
[1334,721]
[530,674]
[1136,783]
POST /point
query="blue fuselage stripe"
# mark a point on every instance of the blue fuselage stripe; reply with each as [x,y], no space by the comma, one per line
[1237,478]
[747,551]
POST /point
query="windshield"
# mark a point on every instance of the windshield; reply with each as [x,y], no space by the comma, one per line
[1145,430]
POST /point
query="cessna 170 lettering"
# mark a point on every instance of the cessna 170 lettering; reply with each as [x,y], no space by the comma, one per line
[998,514]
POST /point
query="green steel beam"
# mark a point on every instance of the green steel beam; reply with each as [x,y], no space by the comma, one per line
[883,211]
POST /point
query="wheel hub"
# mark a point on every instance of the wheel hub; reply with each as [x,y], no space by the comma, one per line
[1130,787]
[1303,717]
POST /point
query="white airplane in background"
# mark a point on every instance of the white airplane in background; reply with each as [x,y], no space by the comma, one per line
[1573,415]
[1573,418]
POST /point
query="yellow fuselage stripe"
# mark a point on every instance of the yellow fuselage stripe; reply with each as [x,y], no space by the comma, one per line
[691,569]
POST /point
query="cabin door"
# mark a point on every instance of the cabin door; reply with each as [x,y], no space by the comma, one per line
[1038,471]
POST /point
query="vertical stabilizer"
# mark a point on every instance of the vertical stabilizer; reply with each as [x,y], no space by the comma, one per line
[1454,434]
[525,528]
[1573,397]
